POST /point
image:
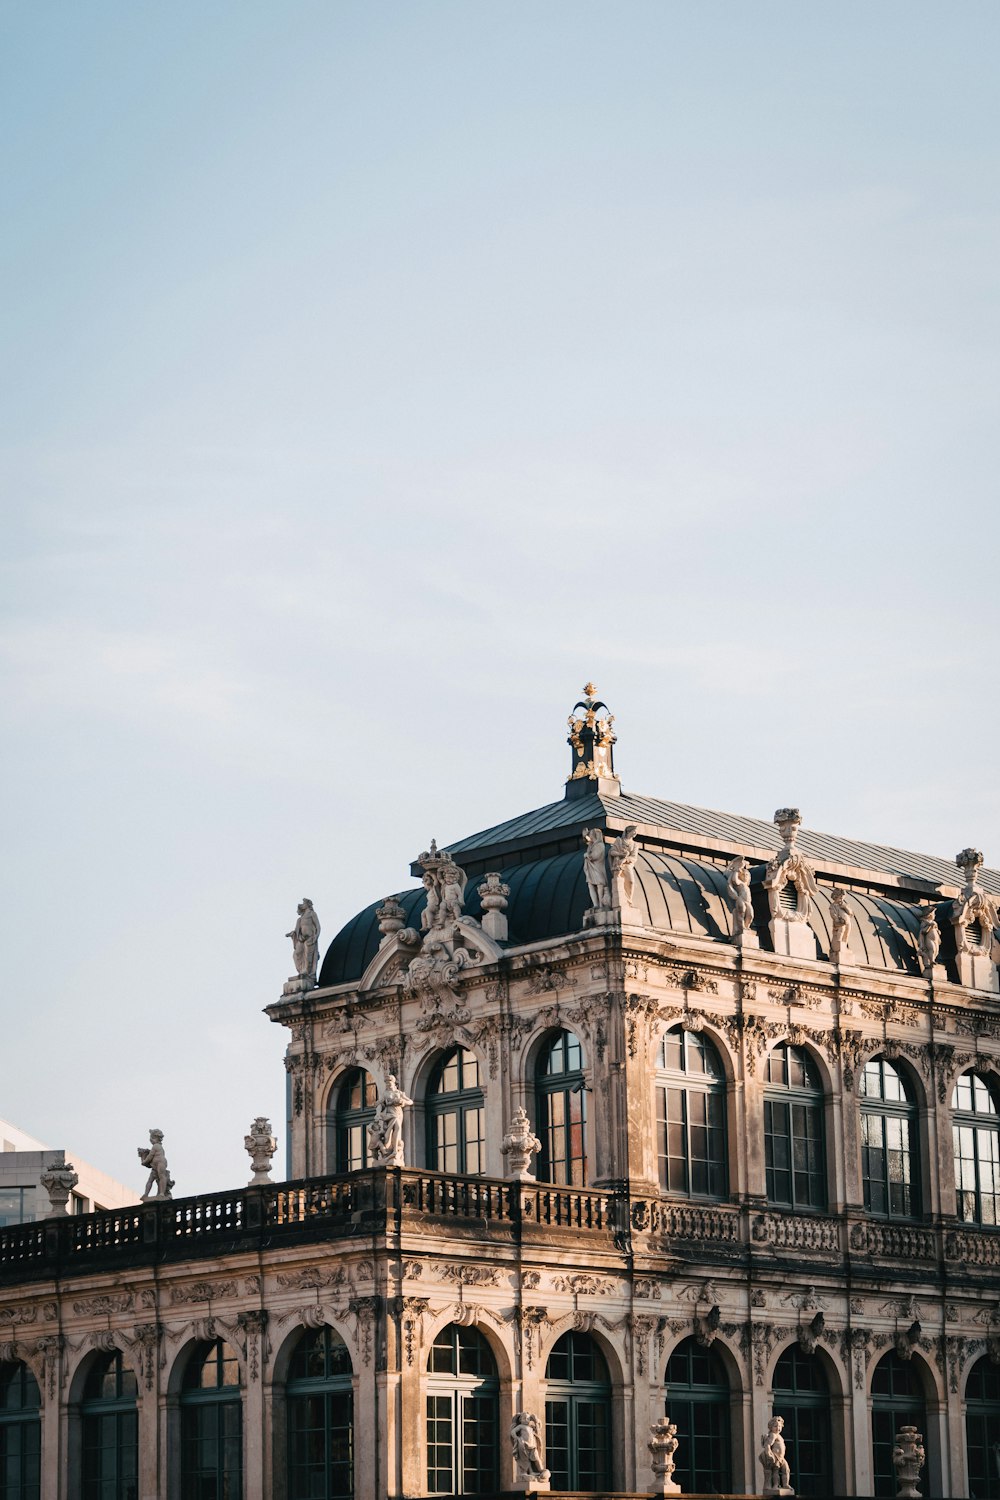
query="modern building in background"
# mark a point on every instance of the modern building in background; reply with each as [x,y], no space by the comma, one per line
[23,1199]
[672,1111]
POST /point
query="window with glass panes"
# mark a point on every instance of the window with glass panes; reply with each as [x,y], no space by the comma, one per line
[888,1137]
[793,1130]
[698,1401]
[16,1206]
[320,1412]
[801,1394]
[976,1132]
[982,1429]
[561,1111]
[897,1401]
[691,1116]
[20,1433]
[110,1431]
[463,1414]
[578,1415]
[455,1139]
[355,1110]
[212,1425]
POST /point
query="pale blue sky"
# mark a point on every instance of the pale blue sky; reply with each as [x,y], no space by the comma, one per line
[375,374]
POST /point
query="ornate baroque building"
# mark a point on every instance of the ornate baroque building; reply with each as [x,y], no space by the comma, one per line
[760,1174]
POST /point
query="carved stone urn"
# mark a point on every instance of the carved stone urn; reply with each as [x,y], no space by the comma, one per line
[519,1146]
[908,1459]
[663,1445]
[59,1180]
[260,1145]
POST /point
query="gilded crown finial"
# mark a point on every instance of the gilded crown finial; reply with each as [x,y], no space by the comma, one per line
[591,740]
[590,690]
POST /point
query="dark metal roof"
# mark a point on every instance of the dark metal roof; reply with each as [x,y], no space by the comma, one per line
[674,893]
[708,825]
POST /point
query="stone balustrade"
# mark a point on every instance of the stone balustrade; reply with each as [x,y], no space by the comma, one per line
[389,1202]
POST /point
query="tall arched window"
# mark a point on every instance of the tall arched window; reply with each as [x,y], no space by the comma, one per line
[561,1111]
[698,1400]
[463,1414]
[691,1116]
[897,1400]
[888,1137]
[801,1394]
[793,1129]
[320,1417]
[355,1109]
[455,1136]
[20,1433]
[212,1424]
[110,1431]
[976,1131]
[982,1429]
[578,1415]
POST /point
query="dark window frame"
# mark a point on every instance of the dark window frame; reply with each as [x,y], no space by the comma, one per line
[683,1093]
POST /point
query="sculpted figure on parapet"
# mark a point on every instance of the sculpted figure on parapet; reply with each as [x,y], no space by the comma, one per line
[526,1440]
[154,1157]
[841,919]
[789,864]
[595,869]
[928,939]
[773,1460]
[444,883]
[385,1133]
[738,885]
[305,940]
[621,859]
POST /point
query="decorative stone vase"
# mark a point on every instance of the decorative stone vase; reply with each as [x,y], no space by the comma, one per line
[908,1459]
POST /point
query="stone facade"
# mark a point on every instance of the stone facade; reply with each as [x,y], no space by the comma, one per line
[393,1257]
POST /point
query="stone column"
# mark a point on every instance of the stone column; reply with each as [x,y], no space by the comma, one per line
[254,1325]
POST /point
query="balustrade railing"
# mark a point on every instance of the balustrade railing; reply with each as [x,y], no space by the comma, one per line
[385,1202]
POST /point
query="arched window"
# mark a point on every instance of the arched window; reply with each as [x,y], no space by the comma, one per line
[896,1401]
[320,1417]
[793,1130]
[578,1415]
[463,1414]
[888,1136]
[976,1131]
[20,1433]
[355,1110]
[212,1424]
[561,1111]
[110,1431]
[698,1400]
[691,1116]
[455,1138]
[982,1429]
[801,1394]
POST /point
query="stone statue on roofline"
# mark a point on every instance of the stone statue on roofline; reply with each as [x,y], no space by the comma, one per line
[791,889]
[622,856]
[260,1144]
[974,917]
[841,920]
[305,948]
[595,869]
[526,1441]
[154,1157]
[928,940]
[774,1460]
[738,886]
[444,883]
[385,1133]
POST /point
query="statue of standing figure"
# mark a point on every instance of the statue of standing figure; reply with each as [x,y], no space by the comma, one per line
[738,886]
[305,941]
[526,1441]
[622,856]
[841,918]
[773,1460]
[595,869]
[154,1157]
[928,940]
[385,1133]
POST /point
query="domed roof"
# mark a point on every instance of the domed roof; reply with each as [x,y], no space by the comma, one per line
[673,893]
